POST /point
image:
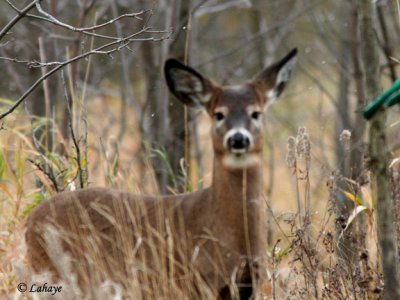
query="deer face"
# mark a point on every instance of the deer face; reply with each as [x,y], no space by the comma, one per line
[237,126]
[236,111]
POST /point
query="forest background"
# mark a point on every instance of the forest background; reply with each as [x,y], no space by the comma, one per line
[92,109]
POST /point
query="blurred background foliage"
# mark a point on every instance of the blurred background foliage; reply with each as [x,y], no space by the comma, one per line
[107,118]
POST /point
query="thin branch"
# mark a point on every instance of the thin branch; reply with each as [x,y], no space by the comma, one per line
[48,174]
[259,34]
[15,20]
[78,157]
[39,64]
[124,42]
[85,30]
[40,18]
[54,20]
[13,6]
[16,60]
[218,8]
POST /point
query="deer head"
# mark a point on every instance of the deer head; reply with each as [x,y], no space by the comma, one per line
[236,111]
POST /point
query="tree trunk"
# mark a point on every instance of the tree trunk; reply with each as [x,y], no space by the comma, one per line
[395,176]
[156,131]
[155,123]
[179,143]
[379,156]
[350,160]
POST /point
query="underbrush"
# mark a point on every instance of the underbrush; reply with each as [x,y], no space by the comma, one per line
[323,255]
[315,252]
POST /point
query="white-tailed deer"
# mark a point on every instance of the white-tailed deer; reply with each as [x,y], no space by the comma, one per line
[217,232]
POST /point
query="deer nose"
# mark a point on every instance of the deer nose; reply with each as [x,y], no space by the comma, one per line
[238,142]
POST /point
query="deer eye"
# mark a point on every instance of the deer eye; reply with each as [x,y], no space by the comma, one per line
[219,116]
[255,115]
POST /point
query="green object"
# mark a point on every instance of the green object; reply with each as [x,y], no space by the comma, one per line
[388,98]
[392,100]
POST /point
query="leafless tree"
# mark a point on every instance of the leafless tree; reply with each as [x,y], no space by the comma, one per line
[39,44]
[379,155]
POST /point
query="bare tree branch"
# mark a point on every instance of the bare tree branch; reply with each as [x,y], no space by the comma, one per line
[15,20]
[84,30]
[81,171]
[54,20]
[118,45]
[261,34]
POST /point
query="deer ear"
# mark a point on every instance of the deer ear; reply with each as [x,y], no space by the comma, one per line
[273,79]
[189,86]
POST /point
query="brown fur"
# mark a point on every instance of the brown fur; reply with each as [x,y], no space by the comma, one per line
[216,227]
[218,231]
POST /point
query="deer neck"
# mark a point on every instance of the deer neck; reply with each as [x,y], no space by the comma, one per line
[230,187]
[237,203]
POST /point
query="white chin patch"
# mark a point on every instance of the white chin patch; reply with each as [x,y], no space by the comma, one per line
[240,161]
[239,151]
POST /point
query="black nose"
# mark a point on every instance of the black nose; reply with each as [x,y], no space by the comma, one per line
[238,142]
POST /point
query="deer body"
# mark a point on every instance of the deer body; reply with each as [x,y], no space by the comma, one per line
[217,230]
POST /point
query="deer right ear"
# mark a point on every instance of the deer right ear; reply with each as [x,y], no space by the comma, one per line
[273,79]
[189,86]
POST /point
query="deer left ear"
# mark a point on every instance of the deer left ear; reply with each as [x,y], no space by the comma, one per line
[272,80]
[188,86]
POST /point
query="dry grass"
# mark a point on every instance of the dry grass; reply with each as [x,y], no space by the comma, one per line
[141,267]
[307,235]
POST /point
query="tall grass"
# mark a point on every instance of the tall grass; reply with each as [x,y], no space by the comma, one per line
[129,260]
[27,177]
[303,257]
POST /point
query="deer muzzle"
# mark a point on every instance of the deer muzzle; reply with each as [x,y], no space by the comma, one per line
[238,141]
